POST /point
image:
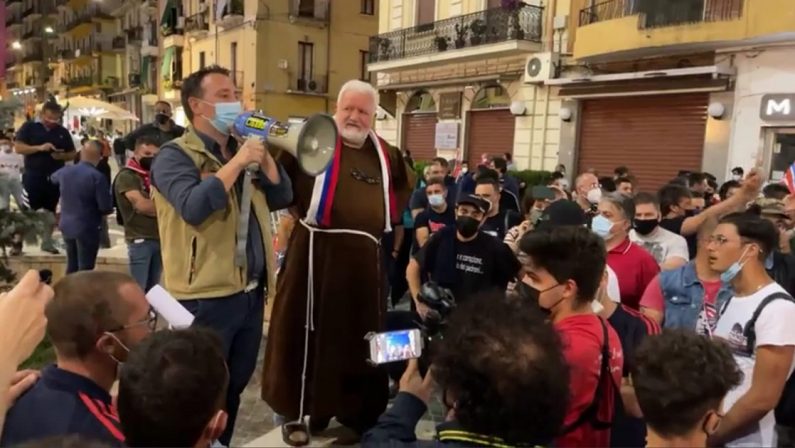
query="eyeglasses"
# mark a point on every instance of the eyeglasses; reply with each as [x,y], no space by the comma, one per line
[150,321]
[363,177]
[719,240]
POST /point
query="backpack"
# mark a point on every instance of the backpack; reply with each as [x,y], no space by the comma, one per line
[591,413]
[785,409]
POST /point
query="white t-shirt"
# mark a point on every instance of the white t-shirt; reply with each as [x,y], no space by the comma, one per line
[773,327]
[11,163]
[613,291]
[662,244]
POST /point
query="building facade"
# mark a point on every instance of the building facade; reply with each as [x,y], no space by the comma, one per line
[661,86]
[454,81]
[288,58]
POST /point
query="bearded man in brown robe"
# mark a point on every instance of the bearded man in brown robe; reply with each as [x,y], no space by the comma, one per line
[334,269]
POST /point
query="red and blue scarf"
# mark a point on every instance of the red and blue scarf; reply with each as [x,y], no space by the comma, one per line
[323,194]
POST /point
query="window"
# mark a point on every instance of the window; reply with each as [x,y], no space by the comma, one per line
[305,64]
[201,60]
[368,7]
[233,64]
[306,8]
[426,11]
[491,4]
[364,57]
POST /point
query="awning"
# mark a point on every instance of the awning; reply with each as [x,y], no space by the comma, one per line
[124,92]
[643,87]
[145,72]
[165,69]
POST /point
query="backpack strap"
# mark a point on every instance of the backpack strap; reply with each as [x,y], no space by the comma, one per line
[590,414]
[750,331]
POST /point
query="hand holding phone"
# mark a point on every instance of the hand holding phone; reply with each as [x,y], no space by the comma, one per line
[395,346]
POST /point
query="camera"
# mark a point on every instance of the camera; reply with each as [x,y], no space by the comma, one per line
[441,303]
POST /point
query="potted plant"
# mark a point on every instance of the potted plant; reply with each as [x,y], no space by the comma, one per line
[460,35]
[441,42]
[478,28]
[384,49]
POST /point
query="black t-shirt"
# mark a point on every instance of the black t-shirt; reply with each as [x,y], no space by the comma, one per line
[495,225]
[482,264]
[675,225]
[435,221]
[34,133]
[632,328]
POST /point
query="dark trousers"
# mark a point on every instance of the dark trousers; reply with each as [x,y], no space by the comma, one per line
[396,267]
[81,253]
[238,320]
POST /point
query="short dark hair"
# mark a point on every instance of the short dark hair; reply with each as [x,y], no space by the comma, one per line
[164,102]
[624,204]
[712,183]
[508,156]
[504,366]
[738,170]
[724,189]
[192,86]
[621,171]
[85,305]
[608,184]
[484,172]
[695,178]
[569,253]
[488,181]
[753,227]
[670,195]
[679,376]
[646,198]
[171,386]
[147,139]
[51,106]
[500,164]
[441,161]
[555,176]
[623,180]
[436,181]
[775,191]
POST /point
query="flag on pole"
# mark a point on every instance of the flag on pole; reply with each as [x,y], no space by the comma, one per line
[789,178]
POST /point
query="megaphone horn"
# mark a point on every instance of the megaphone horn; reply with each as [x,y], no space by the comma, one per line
[311,142]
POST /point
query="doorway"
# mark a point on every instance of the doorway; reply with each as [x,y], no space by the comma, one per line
[780,144]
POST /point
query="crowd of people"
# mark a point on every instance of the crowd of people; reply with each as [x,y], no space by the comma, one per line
[588,312]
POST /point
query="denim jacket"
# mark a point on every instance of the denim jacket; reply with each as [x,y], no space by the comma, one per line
[684,296]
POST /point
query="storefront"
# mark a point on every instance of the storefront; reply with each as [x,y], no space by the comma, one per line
[490,125]
[419,126]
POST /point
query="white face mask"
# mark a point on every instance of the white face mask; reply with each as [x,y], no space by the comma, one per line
[6,148]
[594,195]
[737,177]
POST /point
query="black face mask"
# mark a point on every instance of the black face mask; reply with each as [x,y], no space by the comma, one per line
[689,213]
[161,118]
[530,295]
[645,226]
[467,226]
[146,162]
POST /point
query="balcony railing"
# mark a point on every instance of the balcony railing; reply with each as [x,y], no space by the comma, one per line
[197,23]
[96,10]
[81,81]
[13,17]
[134,79]
[134,34]
[42,7]
[119,43]
[12,85]
[466,31]
[662,13]
[33,56]
[307,84]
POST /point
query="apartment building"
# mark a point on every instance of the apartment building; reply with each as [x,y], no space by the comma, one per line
[465,78]
[661,85]
[287,57]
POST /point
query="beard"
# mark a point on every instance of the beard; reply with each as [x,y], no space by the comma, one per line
[354,136]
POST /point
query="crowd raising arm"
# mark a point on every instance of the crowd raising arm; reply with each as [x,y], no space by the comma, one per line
[747,193]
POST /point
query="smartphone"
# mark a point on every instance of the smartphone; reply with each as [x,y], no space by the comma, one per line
[395,346]
[45,275]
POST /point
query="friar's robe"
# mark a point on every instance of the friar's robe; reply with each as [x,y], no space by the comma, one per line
[349,299]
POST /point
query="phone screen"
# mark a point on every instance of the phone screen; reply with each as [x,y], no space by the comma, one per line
[395,346]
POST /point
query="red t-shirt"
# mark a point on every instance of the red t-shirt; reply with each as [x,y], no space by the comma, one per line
[634,268]
[582,346]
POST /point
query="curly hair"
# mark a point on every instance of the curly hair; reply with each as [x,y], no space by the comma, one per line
[503,366]
[679,376]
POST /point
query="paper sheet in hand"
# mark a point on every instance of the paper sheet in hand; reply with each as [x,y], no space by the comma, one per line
[168,307]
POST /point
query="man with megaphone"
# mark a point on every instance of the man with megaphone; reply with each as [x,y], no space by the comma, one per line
[331,288]
[213,194]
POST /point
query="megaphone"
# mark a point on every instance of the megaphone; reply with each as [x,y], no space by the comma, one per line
[312,142]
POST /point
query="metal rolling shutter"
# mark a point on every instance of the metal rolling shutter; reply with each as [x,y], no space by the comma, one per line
[489,132]
[654,136]
[419,135]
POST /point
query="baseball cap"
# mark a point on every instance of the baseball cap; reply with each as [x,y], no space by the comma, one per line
[771,207]
[475,201]
[562,213]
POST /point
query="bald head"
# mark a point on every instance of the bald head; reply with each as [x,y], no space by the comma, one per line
[91,152]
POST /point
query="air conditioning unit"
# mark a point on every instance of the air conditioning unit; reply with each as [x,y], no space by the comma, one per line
[540,67]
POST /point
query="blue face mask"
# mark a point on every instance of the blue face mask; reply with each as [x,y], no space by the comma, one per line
[729,274]
[601,226]
[436,200]
[225,115]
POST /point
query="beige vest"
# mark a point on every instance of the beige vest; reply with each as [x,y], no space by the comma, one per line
[198,261]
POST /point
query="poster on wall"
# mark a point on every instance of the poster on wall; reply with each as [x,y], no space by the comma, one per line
[446,136]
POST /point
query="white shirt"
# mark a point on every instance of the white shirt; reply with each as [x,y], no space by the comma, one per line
[11,163]
[773,327]
[662,244]
[613,290]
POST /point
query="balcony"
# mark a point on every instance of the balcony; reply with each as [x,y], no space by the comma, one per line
[630,29]
[314,85]
[119,43]
[489,33]
[308,12]
[10,61]
[34,56]
[134,34]
[41,7]
[12,85]
[232,15]
[81,81]
[86,15]
[13,17]
[197,24]
[134,79]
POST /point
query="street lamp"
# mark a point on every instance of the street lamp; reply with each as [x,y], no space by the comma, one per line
[16,45]
[49,30]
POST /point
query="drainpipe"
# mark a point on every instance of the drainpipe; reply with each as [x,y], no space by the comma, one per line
[549,45]
[328,57]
